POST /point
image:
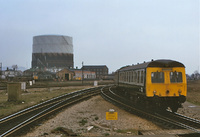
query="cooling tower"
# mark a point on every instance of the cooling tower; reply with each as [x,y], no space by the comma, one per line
[52,51]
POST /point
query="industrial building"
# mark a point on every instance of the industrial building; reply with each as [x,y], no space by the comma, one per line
[87,75]
[100,70]
[65,74]
[52,52]
[10,74]
[74,74]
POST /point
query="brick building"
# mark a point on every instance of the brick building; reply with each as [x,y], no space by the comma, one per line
[101,70]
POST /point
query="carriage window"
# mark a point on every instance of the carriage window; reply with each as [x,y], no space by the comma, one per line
[138,76]
[129,76]
[120,77]
[176,77]
[126,76]
[142,76]
[132,76]
[135,76]
[157,77]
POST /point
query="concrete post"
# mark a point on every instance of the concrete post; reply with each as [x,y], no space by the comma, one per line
[14,91]
[95,83]
[23,86]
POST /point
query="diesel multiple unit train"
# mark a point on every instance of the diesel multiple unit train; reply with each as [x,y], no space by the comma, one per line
[156,85]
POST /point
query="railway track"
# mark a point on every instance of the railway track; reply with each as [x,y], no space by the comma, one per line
[13,124]
[172,120]
[184,121]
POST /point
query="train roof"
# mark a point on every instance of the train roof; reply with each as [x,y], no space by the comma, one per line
[155,63]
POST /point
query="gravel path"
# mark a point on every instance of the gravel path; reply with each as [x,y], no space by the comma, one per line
[92,113]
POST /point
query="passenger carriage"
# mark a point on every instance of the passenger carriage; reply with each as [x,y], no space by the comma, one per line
[157,84]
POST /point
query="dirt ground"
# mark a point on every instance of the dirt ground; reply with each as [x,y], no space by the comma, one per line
[92,114]
[191,107]
[190,110]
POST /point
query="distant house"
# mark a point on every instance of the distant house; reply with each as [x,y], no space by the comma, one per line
[65,74]
[11,73]
[100,70]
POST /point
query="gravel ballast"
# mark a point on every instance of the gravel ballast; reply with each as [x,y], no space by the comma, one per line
[88,118]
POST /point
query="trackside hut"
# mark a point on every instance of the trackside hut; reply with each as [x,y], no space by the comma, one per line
[65,74]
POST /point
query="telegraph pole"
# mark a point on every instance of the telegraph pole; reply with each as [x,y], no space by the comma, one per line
[0,68]
[82,73]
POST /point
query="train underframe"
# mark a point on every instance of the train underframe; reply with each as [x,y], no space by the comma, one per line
[155,103]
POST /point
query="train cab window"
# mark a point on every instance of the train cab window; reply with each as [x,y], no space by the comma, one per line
[176,77]
[157,77]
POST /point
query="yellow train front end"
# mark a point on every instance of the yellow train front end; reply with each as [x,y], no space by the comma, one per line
[168,86]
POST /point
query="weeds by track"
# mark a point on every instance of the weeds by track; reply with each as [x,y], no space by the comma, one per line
[13,124]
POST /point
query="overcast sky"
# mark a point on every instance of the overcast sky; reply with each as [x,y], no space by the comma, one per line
[105,32]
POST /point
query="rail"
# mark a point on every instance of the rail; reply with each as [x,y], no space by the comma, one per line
[13,124]
[169,118]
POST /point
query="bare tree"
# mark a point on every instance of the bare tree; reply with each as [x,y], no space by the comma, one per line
[15,67]
[195,75]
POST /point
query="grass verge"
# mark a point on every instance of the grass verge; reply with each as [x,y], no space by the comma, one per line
[193,92]
[128,131]
[30,98]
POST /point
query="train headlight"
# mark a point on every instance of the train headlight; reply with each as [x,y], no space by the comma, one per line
[179,91]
